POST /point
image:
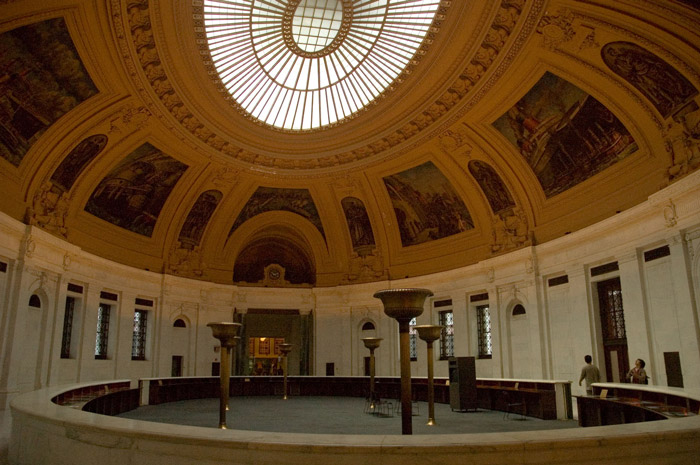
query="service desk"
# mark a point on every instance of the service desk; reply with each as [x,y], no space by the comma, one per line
[615,404]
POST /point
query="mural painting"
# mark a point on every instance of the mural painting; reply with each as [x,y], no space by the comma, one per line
[564,134]
[358,223]
[41,79]
[266,199]
[426,205]
[198,218]
[491,184]
[133,193]
[75,162]
[667,89]
[51,202]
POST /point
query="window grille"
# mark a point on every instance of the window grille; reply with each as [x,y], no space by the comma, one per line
[447,347]
[67,327]
[103,312]
[612,313]
[413,339]
[138,346]
[483,326]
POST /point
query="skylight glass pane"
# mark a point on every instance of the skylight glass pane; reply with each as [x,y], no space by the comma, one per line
[306,64]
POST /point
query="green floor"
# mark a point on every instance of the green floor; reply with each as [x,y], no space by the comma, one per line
[334,415]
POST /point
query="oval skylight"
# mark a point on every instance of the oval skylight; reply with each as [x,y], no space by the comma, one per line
[305,64]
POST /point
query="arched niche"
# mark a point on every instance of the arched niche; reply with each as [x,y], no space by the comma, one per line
[276,257]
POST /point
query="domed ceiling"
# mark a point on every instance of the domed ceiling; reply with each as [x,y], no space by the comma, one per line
[414,137]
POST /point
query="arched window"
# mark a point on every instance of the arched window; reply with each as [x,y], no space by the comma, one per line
[368,326]
[35,301]
[518,310]
[179,323]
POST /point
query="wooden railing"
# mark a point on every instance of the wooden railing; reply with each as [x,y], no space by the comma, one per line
[540,399]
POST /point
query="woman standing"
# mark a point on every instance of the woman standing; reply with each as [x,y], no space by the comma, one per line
[637,375]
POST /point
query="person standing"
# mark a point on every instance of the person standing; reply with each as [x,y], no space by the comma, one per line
[590,374]
[638,375]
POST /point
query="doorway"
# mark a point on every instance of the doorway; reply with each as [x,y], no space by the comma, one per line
[176,367]
[612,322]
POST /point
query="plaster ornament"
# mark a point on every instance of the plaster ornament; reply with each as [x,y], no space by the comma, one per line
[49,209]
[556,29]
[670,214]
[365,268]
[67,261]
[186,262]
[509,230]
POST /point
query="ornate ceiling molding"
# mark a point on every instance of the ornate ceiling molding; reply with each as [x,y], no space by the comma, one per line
[139,29]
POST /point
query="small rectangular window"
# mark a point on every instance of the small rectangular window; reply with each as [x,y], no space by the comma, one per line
[67,327]
[603,269]
[138,346]
[3,267]
[479,297]
[102,336]
[75,288]
[109,296]
[144,302]
[659,252]
[559,280]
[447,346]
[483,327]
[442,303]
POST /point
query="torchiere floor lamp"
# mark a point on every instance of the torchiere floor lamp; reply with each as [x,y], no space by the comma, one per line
[371,343]
[227,334]
[430,333]
[404,305]
[285,348]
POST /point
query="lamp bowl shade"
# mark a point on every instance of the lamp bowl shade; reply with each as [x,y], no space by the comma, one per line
[371,342]
[285,348]
[226,332]
[403,304]
[429,333]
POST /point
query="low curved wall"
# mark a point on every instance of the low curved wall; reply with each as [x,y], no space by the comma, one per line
[46,433]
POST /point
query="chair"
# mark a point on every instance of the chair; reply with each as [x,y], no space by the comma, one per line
[512,406]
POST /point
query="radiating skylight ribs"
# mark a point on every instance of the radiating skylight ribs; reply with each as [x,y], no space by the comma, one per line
[328,75]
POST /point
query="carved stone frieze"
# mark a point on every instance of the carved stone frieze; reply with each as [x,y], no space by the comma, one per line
[48,210]
[186,262]
[366,268]
[510,230]
[683,144]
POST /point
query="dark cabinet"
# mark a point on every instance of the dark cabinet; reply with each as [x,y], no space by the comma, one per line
[462,383]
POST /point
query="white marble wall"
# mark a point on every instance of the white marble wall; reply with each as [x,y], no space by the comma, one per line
[560,326]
